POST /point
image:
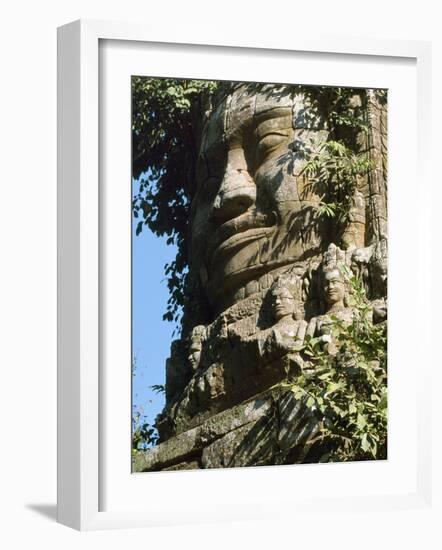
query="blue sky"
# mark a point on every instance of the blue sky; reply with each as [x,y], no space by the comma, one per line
[151,336]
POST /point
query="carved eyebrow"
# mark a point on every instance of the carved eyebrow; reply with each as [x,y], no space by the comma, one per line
[279,125]
[272,133]
[275,112]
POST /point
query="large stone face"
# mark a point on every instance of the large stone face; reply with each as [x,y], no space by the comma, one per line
[270,269]
[252,211]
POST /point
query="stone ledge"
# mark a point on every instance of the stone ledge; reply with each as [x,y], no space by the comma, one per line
[272,428]
[188,444]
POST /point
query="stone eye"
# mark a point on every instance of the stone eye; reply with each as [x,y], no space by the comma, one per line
[268,144]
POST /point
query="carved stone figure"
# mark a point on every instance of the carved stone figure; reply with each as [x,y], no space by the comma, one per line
[253,211]
[266,270]
[379,281]
[354,233]
[370,264]
[196,344]
[334,294]
[289,328]
[334,290]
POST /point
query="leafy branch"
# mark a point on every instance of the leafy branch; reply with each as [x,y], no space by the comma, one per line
[164,150]
[332,170]
[144,435]
[348,390]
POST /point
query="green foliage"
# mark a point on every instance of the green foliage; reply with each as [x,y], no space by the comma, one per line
[334,167]
[348,389]
[165,125]
[164,155]
[144,435]
[158,388]
[345,115]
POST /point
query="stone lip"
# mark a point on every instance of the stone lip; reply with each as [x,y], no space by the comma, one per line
[238,240]
[245,223]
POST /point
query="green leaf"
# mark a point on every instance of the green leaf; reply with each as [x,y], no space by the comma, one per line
[310,402]
[361,422]
[364,443]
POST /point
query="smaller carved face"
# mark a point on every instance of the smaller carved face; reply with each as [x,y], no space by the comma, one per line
[195,346]
[334,288]
[283,303]
[194,354]
[379,276]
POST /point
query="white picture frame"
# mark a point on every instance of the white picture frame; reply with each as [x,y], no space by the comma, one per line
[80,271]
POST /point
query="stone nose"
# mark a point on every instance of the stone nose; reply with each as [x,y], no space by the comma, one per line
[237,193]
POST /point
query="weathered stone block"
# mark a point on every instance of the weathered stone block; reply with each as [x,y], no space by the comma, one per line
[298,426]
[188,444]
[193,465]
[251,445]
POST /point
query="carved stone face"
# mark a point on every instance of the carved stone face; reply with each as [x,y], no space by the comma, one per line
[252,211]
[194,355]
[379,269]
[195,346]
[283,303]
[334,288]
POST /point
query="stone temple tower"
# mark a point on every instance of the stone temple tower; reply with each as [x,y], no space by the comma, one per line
[268,270]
